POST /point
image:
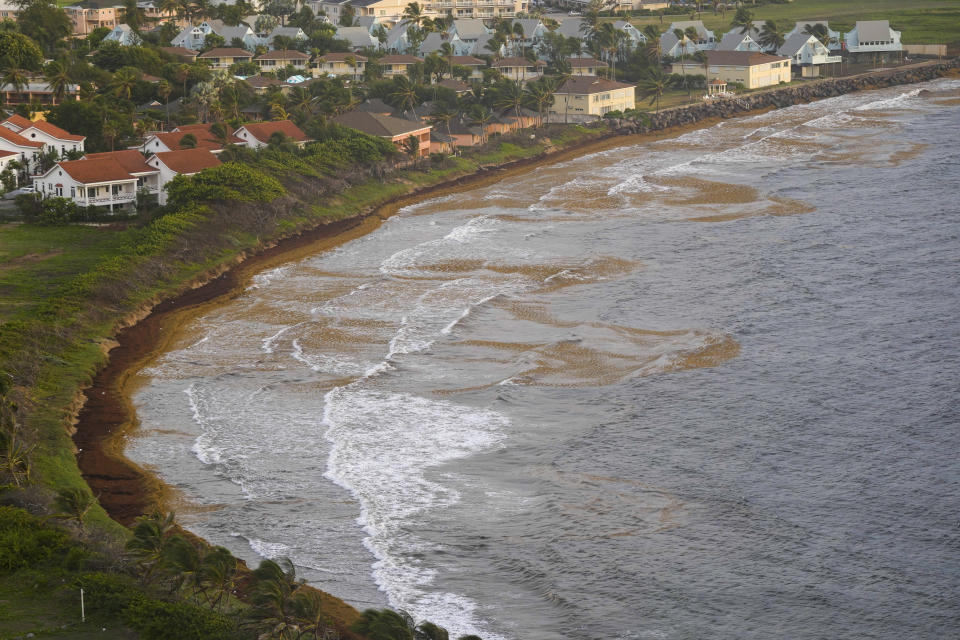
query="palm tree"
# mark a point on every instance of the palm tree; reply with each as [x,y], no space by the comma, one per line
[510,97]
[540,95]
[413,14]
[519,35]
[16,79]
[701,57]
[133,15]
[771,36]
[148,542]
[653,84]
[274,584]
[383,624]
[219,571]
[482,116]
[163,92]
[411,147]
[124,81]
[682,37]
[443,114]
[819,31]
[652,34]
[110,131]
[405,92]
[58,79]
[74,503]
[742,19]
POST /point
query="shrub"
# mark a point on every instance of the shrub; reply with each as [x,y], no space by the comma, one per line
[57,211]
[230,181]
[107,594]
[155,620]
[26,541]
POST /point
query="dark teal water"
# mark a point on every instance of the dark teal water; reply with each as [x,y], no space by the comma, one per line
[700,388]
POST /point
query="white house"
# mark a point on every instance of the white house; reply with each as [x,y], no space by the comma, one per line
[100,181]
[294,33]
[873,36]
[192,37]
[51,136]
[358,37]
[256,135]
[27,151]
[123,35]
[737,40]
[635,36]
[835,40]
[170,164]
[808,53]
[706,39]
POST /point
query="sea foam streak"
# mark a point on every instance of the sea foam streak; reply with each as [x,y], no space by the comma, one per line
[384,445]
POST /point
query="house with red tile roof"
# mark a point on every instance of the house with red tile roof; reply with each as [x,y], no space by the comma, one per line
[100,181]
[50,135]
[257,134]
[185,162]
[28,151]
[173,140]
[133,163]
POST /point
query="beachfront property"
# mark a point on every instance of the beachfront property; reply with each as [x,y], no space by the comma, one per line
[873,37]
[224,57]
[174,140]
[751,69]
[706,39]
[186,162]
[110,179]
[583,98]
[339,64]
[519,69]
[192,37]
[835,40]
[396,130]
[256,135]
[737,40]
[808,54]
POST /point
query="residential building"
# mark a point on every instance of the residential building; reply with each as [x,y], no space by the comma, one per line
[835,40]
[751,69]
[123,35]
[476,65]
[397,65]
[101,180]
[225,57]
[586,66]
[193,36]
[469,31]
[262,84]
[635,36]
[185,55]
[86,17]
[8,11]
[673,47]
[39,91]
[153,14]
[186,162]
[737,40]
[339,64]
[589,97]
[358,37]
[28,151]
[133,163]
[257,134]
[873,37]
[397,130]
[277,60]
[519,69]
[807,53]
[294,33]
[173,140]
[706,39]
[49,135]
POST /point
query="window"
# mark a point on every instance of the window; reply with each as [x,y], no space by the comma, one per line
[73,192]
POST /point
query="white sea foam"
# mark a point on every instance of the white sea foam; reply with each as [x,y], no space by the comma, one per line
[269,550]
[383,447]
[886,103]
[267,344]
[266,277]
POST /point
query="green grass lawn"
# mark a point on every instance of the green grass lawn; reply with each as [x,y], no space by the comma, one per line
[920,21]
[35,260]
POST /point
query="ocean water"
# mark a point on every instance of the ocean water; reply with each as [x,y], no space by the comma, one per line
[705,387]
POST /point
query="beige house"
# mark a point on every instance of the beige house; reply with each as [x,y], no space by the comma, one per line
[589,97]
[519,69]
[274,60]
[339,64]
[392,10]
[87,18]
[224,57]
[586,66]
[396,130]
[396,65]
[751,69]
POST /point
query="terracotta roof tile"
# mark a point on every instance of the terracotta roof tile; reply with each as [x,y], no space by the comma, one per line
[55,131]
[263,130]
[19,121]
[17,139]
[94,171]
[188,161]
[131,160]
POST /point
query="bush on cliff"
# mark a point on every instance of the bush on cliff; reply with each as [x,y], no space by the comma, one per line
[230,181]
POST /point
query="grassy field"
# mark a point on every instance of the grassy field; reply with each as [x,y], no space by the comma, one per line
[919,21]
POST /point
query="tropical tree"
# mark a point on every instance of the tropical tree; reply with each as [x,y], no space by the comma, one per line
[383,625]
[509,96]
[819,31]
[411,147]
[124,82]
[163,92]
[743,20]
[133,15]
[412,14]
[653,85]
[443,114]
[16,79]
[74,503]
[274,584]
[682,37]
[482,116]
[404,93]
[652,47]
[771,36]
[58,79]
[188,141]
[539,95]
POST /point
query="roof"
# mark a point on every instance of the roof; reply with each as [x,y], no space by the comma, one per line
[696,24]
[794,44]
[289,54]
[456,85]
[261,82]
[188,161]
[19,121]
[517,62]
[17,139]
[226,52]
[131,160]
[96,170]
[54,131]
[571,27]
[740,58]
[263,130]
[374,105]
[204,140]
[590,85]
[179,51]
[467,61]
[379,125]
[342,57]
[580,63]
[356,36]
[732,39]
[873,30]
[470,28]
[399,59]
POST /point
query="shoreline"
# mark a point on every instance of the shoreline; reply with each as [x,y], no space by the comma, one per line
[127,490]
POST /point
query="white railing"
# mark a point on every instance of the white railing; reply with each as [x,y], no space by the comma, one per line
[118,199]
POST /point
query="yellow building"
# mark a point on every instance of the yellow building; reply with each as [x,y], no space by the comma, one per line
[339,64]
[751,69]
[588,97]
[225,57]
